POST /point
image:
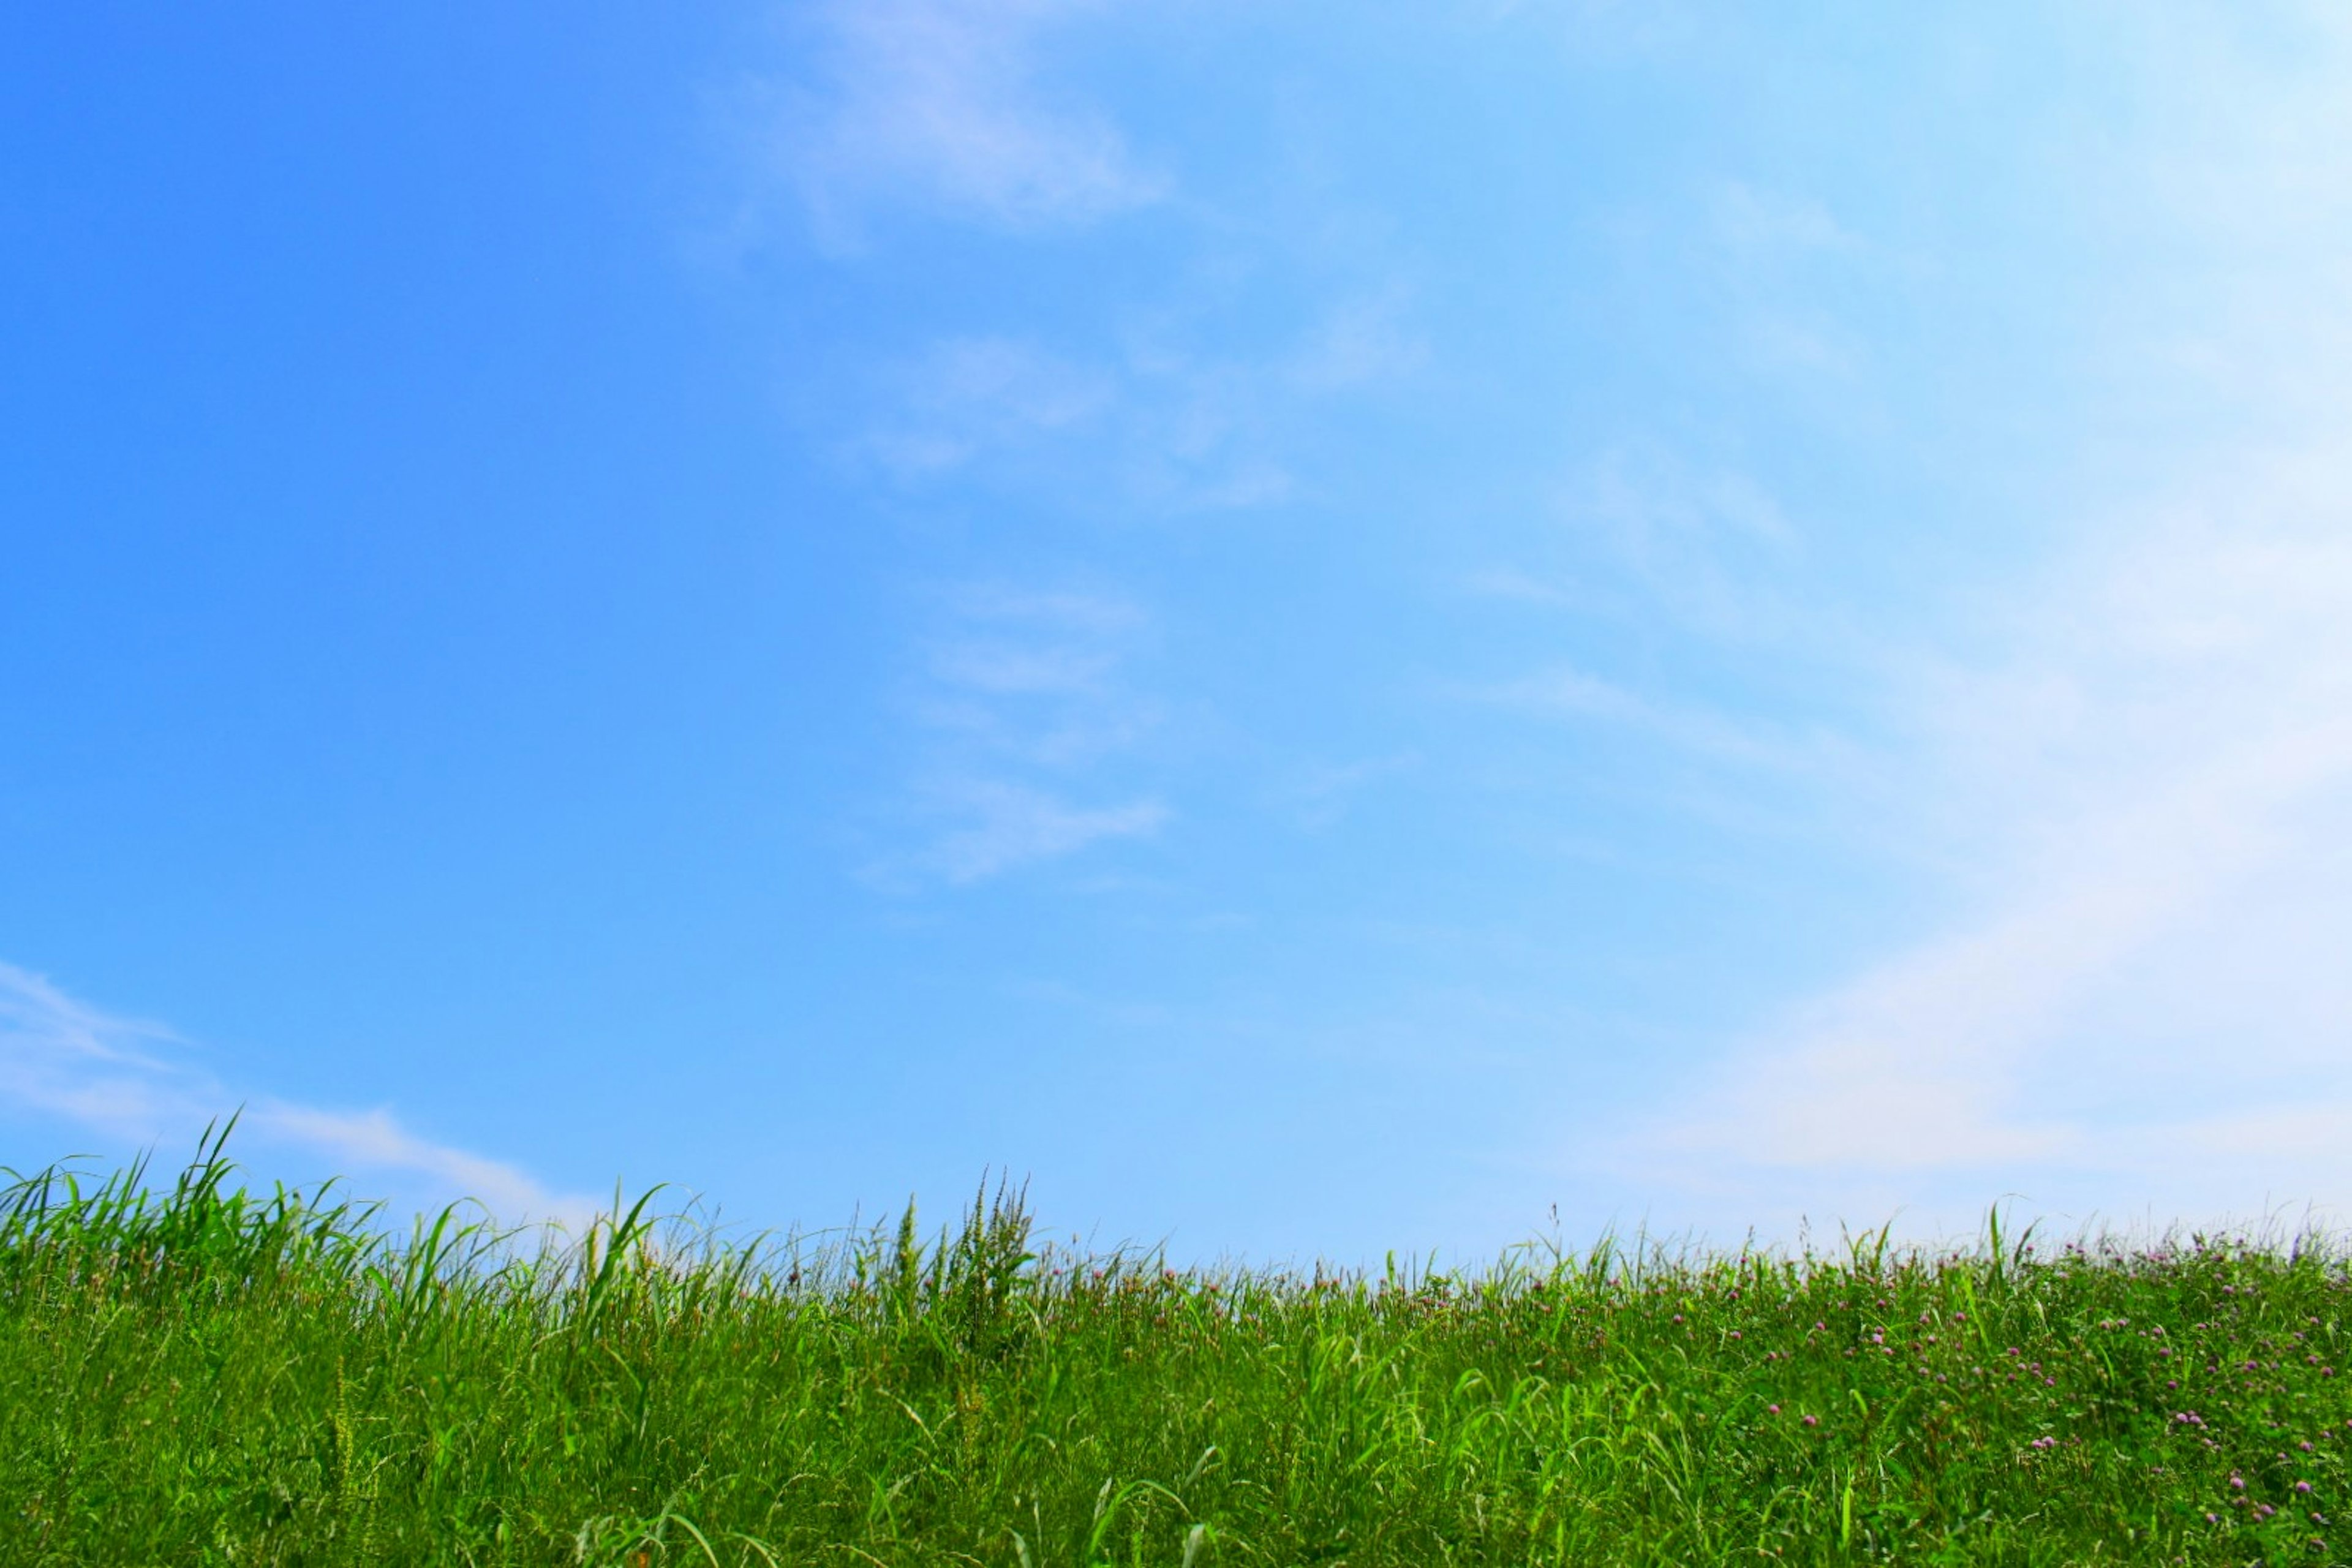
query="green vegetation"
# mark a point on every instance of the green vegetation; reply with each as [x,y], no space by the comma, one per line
[205,1374]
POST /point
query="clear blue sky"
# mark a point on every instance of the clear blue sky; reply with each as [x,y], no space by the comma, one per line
[1322,626]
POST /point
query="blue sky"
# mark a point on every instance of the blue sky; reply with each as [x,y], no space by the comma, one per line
[1323,628]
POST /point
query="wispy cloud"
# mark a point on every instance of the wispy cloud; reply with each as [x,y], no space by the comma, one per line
[125,1080]
[1790,269]
[1362,340]
[1178,398]
[1004,825]
[2130,759]
[968,397]
[2145,782]
[1152,420]
[1564,692]
[1022,703]
[946,102]
[999,668]
[1035,681]
[1322,795]
[1071,611]
[1757,224]
[1637,530]
[375,1141]
[1597,27]
[1639,537]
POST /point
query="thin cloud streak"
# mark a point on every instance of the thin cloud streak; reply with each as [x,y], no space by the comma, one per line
[374,1140]
[61,1057]
[1024,708]
[968,397]
[1156,423]
[1032,681]
[1008,826]
[1568,693]
[938,101]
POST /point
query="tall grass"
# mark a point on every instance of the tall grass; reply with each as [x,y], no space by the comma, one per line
[201,1373]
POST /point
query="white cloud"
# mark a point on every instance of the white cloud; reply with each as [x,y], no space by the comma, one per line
[968,397]
[2133,758]
[1564,692]
[1152,428]
[1148,420]
[1063,609]
[1363,340]
[1008,826]
[1605,28]
[941,101]
[1253,484]
[1322,795]
[1709,547]
[1023,704]
[118,1079]
[1519,585]
[1005,668]
[2147,782]
[1032,680]
[1756,223]
[375,1141]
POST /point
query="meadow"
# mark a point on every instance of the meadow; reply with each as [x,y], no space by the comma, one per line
[197,1373]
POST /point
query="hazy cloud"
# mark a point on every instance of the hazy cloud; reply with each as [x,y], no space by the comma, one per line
[1005,825]
[1149,424]
[1362,340]
[1322,795]
[945,102]
[1568,693]
[1638,532]
[1754,223]
[1024,703]
[2146,787]
[119,1079]
[970,396]
[2132,759]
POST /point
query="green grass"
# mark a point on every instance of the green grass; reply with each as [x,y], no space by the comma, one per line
[204,1374]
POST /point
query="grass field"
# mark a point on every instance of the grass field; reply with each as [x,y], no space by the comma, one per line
[199,1373]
